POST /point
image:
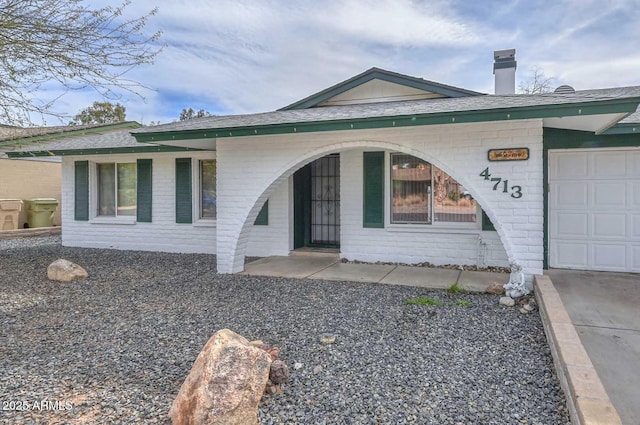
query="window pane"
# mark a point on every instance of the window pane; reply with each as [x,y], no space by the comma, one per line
[127,193]
[106,189]
[208,189]
[410,189]
[452,202]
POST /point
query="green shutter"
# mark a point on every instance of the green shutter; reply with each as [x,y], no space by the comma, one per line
[263,216]
[373,197]
[486,222]
[144,190]
[184,202]
[81,192]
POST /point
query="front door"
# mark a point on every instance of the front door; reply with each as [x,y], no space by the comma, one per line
[317,203]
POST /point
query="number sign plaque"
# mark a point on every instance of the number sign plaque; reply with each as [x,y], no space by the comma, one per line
[514,154]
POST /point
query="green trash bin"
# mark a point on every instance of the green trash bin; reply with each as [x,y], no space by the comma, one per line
[40,211]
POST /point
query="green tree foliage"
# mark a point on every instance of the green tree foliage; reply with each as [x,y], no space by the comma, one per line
[100,113]
[67,45]
[187,114]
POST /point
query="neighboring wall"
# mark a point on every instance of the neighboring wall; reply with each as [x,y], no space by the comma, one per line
[28,179]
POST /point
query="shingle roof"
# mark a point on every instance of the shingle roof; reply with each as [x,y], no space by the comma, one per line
[632,119]
[16,133]
[113,139]
[393,109]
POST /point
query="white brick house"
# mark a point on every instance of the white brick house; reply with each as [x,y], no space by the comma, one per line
[381,167]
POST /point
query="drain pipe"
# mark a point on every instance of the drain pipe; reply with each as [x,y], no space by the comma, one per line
[482,252]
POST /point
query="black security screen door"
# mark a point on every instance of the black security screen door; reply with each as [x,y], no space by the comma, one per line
[325,201]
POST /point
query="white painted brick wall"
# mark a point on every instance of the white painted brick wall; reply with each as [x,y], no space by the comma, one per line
[406,243]
[274,238]
[251,168]
[162,234]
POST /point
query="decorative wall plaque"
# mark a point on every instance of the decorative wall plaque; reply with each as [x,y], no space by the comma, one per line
[513,154]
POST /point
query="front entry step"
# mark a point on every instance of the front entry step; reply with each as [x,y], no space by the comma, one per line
[315,252]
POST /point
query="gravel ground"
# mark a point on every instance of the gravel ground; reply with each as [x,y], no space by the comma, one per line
[116,347]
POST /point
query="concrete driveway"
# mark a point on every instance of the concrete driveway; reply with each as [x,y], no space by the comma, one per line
[605,310]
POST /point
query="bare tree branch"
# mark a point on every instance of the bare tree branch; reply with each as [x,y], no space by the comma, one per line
[538,83]
[66,43]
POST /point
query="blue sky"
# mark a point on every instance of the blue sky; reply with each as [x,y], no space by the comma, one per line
[236,56]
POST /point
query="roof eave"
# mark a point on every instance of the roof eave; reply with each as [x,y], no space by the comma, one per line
[625,105]
[98,151]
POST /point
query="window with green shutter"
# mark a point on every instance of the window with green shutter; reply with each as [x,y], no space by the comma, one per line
[373,190]
[486,222]
[144,193]
[81,191]
[184,199]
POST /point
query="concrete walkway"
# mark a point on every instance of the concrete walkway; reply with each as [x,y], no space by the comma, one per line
[605,311]
[331,268]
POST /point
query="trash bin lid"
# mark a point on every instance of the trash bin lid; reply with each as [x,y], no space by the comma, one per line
[10,204]
[43,201]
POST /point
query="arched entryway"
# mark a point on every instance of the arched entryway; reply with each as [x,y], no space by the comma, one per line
[236,233]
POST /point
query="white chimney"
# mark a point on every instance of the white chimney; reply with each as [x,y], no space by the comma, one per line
[504,68]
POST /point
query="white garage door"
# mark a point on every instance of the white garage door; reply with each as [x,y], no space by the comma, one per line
[594,210]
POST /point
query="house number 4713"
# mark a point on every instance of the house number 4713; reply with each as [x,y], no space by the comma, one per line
[516,191]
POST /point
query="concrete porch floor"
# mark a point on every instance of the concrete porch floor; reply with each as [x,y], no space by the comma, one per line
[329,267]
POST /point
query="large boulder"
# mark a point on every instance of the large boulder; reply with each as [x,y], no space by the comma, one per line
[225,384]
[65,271]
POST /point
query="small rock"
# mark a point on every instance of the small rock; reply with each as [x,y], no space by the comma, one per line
[524,311]
[297,366]
[327,339]
[65,271]
[274,353]
[270,388]
[279,373]
[496,288]
[527,307]
[507,301]
[317,369]
[533,304]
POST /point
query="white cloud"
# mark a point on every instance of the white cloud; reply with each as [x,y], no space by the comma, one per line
[397,23]
[234,56]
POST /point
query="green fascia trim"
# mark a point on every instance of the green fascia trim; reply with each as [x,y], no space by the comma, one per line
[501,114]
[625,128]
[380,74]
[100,151]
[545,197]
[554,138]
[71,133]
